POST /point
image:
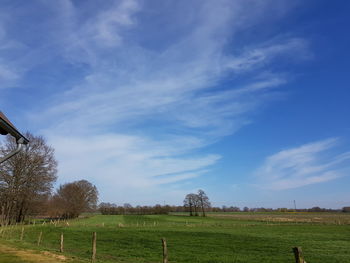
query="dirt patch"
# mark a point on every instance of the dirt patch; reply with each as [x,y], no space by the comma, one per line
[33,256]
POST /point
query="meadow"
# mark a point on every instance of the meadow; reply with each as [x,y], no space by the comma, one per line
[225,237]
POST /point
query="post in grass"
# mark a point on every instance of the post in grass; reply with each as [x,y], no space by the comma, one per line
[93,256]
[61,243]
[165,251]
[22,233]
[298,253]
[2,231]
[39,237]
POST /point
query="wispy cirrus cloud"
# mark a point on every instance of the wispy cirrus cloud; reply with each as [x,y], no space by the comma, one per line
[104,29]
[146,89]
[180,83]
[254,57]
[9,71]
[310,163]
[90,33]
[130,87]
[120,163]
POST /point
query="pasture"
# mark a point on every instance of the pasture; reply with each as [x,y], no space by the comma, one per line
[225,237]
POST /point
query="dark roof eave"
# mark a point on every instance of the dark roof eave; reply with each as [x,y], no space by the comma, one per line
[6,127]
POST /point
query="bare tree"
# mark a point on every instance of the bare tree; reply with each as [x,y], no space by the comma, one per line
[197,202]
[26,178]
[203,201]
[192,203]
[74,198]
[346,209]
[188,203]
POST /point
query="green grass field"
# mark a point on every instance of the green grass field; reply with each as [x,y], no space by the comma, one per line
[231,237]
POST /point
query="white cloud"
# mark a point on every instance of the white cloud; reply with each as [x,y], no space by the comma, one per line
[308,164]
[103,29]
[121,164]
[139,116]
[255,57]
[83,39]
[172,88]
[7,74]
[9,71]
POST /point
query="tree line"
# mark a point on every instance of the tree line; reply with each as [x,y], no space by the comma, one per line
[128,209]
[193,203]
[224,209]
[26,184]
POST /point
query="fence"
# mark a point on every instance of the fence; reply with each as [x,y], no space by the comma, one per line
[11,232]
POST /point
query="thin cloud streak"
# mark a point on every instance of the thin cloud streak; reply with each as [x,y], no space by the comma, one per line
[127,162]
[255,57]
[310,163]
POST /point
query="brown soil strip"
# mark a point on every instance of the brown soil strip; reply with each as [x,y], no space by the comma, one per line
[33,256]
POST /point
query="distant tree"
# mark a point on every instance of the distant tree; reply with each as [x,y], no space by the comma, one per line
[346,209]
[234,209]
[195,203]
[216,209]
[203,201]
[315,209]
[107,208]
[26,179]
[74,198]
[190,202]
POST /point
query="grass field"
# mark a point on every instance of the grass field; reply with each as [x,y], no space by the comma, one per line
[229,237]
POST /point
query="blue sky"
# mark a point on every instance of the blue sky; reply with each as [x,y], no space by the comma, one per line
[151,100]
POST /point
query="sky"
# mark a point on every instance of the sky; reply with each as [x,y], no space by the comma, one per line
[152,100]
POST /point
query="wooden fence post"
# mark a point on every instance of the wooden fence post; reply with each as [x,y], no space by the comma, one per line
[39,237]
[2,231]
[93,257]
[22,233]
[61,244]
[165,251]
[298,253]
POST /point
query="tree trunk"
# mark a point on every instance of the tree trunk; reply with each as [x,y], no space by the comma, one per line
[203,212]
